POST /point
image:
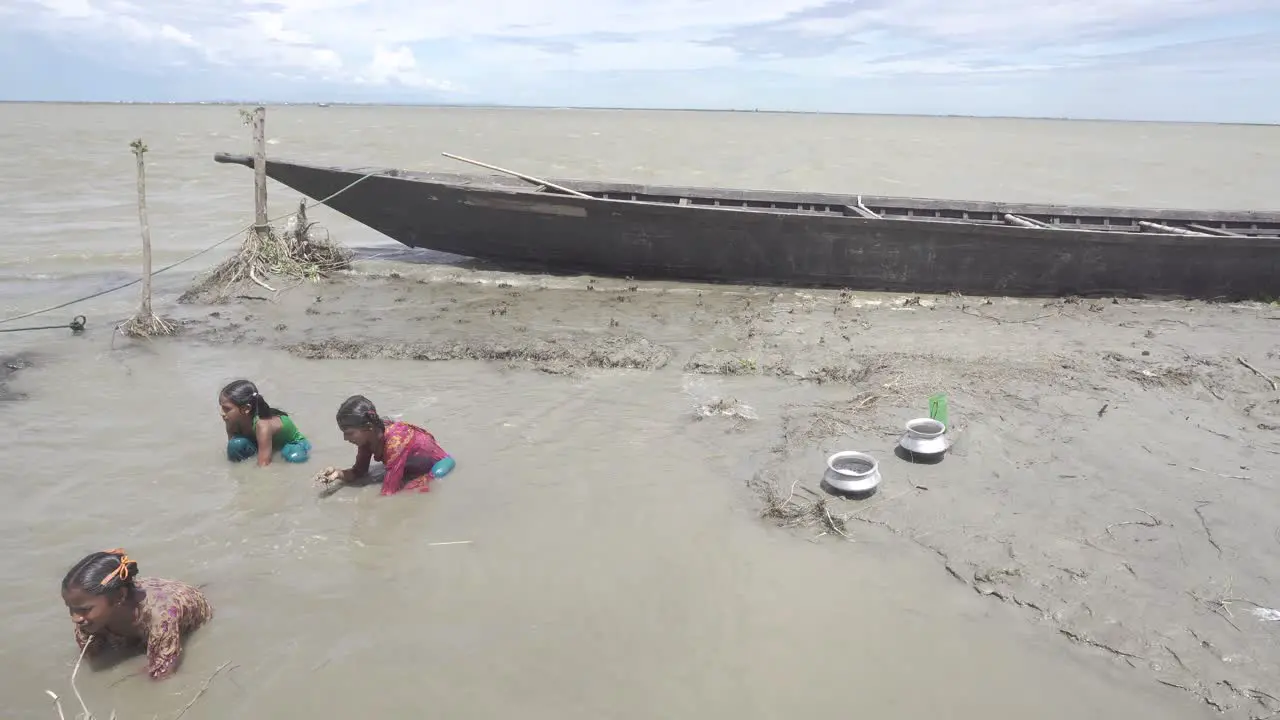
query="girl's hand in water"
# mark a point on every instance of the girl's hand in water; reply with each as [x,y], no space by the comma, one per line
[330,480]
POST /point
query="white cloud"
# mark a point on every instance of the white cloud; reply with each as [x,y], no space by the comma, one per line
[431,44]
[1016,22]
[398,66]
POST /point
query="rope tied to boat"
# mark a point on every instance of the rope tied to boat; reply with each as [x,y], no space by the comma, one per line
[76,326]
[188,258]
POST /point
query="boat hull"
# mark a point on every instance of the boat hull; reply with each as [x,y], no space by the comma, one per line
[507,224]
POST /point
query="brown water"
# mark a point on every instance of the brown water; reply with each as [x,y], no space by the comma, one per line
[616,566]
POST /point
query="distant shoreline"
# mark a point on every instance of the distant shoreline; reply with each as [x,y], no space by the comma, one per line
[601,108]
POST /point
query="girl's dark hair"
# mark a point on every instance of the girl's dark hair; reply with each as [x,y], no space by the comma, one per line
[101,573]
[243,392]
[357,412]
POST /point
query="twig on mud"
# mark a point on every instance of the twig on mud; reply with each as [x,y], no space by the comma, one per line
[1155,522]
[854,515]
[832,525]
[965,309]
[1094,643]
[1176,685]
[1218,607]
[1205,524]
[1229,477]
[1175,657]
[202,690]
[1270,380]
[1230,600]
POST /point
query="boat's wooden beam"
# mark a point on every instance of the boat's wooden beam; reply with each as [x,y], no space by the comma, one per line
[860,210]
[1214,231]
[865,209]
[1169,229]
[928,205]
[522,176]
[1027,222]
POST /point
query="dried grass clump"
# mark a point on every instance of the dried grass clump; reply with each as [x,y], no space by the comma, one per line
[796,512]
[147,325]
[304,251]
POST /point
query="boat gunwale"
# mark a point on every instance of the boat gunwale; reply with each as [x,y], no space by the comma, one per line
[512,186]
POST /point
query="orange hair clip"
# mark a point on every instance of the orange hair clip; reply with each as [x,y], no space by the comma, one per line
[122,571]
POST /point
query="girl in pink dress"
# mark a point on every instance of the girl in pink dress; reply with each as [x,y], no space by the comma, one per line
[411,456]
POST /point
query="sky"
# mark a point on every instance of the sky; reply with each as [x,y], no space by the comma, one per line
[1191,60]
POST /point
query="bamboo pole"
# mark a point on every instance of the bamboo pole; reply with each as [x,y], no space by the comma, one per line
[1158,227]
[1214,231]
[145,323]
[140,149]
[1026,222]
[522,176]
[260,221]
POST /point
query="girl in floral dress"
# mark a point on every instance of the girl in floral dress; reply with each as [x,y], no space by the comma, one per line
[411,456]
[114,609]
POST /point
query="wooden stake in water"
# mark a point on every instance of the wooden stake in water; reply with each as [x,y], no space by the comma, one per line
[145,323]
[140,149]
[259,122]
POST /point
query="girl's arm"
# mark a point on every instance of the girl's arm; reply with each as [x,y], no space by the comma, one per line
[266,428]
[363,457]
[164,649]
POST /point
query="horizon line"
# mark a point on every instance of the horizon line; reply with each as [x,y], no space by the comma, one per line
[507,106]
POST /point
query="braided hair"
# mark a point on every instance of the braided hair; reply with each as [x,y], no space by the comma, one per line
[358,412]
[102,573]
[243,393]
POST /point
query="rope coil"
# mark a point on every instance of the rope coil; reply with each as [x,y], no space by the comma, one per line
[76,326]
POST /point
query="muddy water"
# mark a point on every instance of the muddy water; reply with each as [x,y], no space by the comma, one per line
[615,566]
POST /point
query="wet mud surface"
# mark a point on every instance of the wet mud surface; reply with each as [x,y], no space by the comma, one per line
[1114,464]
[9,366]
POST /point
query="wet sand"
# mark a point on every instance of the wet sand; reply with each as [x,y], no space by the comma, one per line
[1113,460]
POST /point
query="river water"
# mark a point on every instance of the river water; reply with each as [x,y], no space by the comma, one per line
[596,554]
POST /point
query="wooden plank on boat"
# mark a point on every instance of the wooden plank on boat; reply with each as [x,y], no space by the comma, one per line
[1026,222]
[922,205]
[1169,229]
[861,211]
[1214,231]
[522,176]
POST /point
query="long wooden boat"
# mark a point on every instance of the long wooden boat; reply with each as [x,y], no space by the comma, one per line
[807,239]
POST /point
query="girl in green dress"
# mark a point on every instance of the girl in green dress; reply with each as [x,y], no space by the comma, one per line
[256,428]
